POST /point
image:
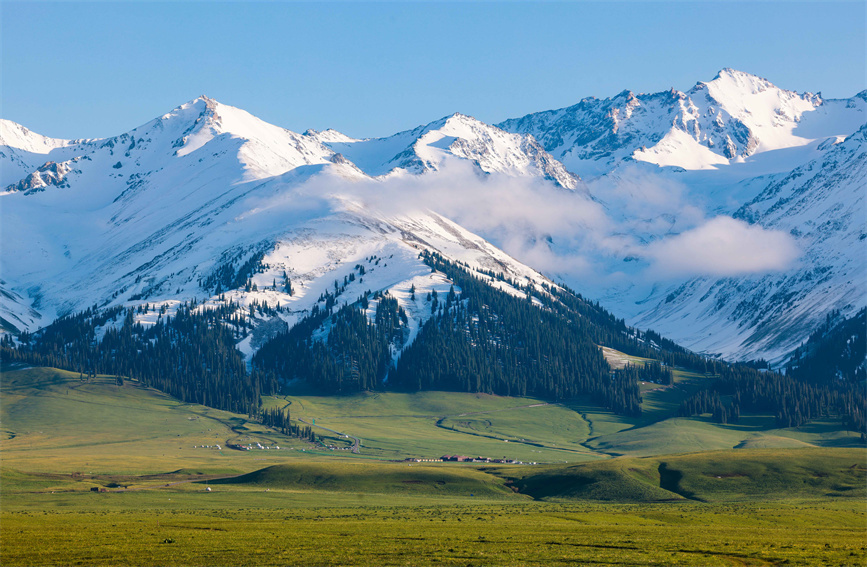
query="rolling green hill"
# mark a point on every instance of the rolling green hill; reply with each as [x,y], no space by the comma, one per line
[431,424]
[376,478]
[719,476]
[54,421]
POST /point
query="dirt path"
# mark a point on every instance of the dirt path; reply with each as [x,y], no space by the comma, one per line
[356,442]
[356,446]
[439,423]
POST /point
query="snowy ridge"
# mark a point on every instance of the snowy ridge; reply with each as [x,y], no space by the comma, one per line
[734,116]
[326,253]
[16,314]
[267,150]
[22,151]
[425,149]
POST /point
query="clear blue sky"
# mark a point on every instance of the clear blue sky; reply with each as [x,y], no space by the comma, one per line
[97,69]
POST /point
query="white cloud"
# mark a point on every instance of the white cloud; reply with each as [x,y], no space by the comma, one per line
[546,227]
[645,218]
[724,246]
[646,202]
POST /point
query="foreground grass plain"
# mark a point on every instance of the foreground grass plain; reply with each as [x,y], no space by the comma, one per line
[782,497]
[467,534]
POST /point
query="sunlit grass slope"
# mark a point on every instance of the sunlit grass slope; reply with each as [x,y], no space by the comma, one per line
[432,424]
[723,476]
[376,478]
[686,435]
[54,422]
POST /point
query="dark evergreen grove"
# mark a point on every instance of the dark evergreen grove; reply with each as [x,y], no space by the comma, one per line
[355,356]
[480,339]
[501,344]
[191,356]
[824,378]
[793,401]
[651,371]
[835,351]
[280,420]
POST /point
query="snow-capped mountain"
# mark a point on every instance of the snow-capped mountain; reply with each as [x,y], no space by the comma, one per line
[426,147]
[728,119]
[209,202]
[173,209]
[23,152]
[823,204]
[736,146]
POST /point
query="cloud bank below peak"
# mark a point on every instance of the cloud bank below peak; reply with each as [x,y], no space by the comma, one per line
[567,235]
[724,247]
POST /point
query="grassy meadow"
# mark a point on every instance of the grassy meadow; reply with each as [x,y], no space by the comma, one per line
[607,490]
[466,534]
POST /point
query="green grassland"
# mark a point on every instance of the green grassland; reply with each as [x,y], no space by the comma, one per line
[376,478]
[431,424]
[470,534]
[725,508]
[608,490]
[51,421]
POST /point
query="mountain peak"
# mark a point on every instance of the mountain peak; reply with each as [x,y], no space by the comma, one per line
[729,78]
[456,124]
[202,100]
[329,136]
[730,72]
[625,94]
[455,118]
[192,110]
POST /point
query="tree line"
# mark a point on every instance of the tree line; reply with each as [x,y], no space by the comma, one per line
[791,400]
[486,340]
[280,420]
[190,355]
[479,340]
[543,342]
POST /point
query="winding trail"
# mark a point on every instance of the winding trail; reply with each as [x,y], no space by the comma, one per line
[356,446]
[356,442]
[439,423]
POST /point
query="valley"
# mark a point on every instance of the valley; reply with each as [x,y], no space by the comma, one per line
[151,459]
[53,421]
